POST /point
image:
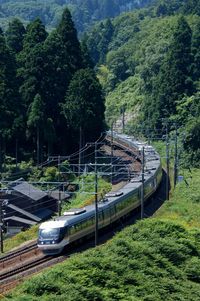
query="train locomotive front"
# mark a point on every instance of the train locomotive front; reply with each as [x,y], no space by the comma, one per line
[53,237]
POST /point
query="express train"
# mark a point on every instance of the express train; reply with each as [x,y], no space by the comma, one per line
[78,223]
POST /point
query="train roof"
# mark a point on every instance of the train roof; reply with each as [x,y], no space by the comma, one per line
[152,163]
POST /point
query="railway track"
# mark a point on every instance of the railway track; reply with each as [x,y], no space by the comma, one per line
[19,251]
[18,256]
[29,260]
[13,276]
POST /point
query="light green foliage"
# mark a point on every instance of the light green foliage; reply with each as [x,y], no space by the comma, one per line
[126,96]
[151,260]
[20,238]
[86,194]
[184,205]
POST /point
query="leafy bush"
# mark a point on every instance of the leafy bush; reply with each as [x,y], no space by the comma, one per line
[135,265]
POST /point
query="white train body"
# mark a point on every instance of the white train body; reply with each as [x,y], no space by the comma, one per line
[54,235]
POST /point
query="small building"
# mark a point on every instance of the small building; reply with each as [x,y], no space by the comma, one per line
[25,205]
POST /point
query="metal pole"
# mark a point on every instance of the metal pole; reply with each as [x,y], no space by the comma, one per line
[111,160]
[59,203]
[123,118]
[59,168]
[167,163]
[142,187]
[176,158]
[1,224]
[80,146]
[96,198]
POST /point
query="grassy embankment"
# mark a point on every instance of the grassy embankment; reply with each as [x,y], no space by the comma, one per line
[155,259]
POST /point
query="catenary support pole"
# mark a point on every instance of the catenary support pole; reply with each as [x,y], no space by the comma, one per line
[1,225]
[167,162]
[96,198]
[142,187]
[176,157]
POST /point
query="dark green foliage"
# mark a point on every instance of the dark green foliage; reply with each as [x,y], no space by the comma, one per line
[36,120]
[152,260]
[9,98]
[85,13]
[87,60]
[35,34]
[30,61]
[15,35]
[174,79]
[192,140]
[44,69]
[196,51]
[69,41]
[98,41]
[84,102]
[62,58]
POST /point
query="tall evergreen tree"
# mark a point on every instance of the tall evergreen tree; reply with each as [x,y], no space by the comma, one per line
[174,80]
[196,52]
[15,35]
[30,60]
[87,61]
[36,120]
[107,33]
[84,106]
[9,100]
[70,44]
[63,57]
[35,34]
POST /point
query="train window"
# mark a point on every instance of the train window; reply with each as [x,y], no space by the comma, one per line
[49,233]
[84,224]
[78,227]
[112,210]
[106,213]
[101,216]
[72,230]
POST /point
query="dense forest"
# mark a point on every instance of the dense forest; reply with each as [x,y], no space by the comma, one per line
[148,63]
[47,83]
[84,12]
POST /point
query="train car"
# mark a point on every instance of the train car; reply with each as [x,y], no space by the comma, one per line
[79,223]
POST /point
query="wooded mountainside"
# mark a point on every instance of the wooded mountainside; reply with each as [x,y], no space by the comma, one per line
[84,12]
[48,90]
[148,63]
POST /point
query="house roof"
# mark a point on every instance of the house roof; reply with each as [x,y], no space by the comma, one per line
[27,189]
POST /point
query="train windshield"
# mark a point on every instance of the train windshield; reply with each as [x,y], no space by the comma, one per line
[49,233]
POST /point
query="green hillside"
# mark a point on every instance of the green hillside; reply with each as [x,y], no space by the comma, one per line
[85,12]
[156,259]
[148,65]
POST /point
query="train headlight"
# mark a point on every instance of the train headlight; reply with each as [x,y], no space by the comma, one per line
[53,242]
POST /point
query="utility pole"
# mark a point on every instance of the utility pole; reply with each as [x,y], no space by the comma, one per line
[80,146]
[1,225]
[96,198]
[111,160]
[59,168]
[167,162]
[59,203]
[176,157]
[142,187]
[123,118]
